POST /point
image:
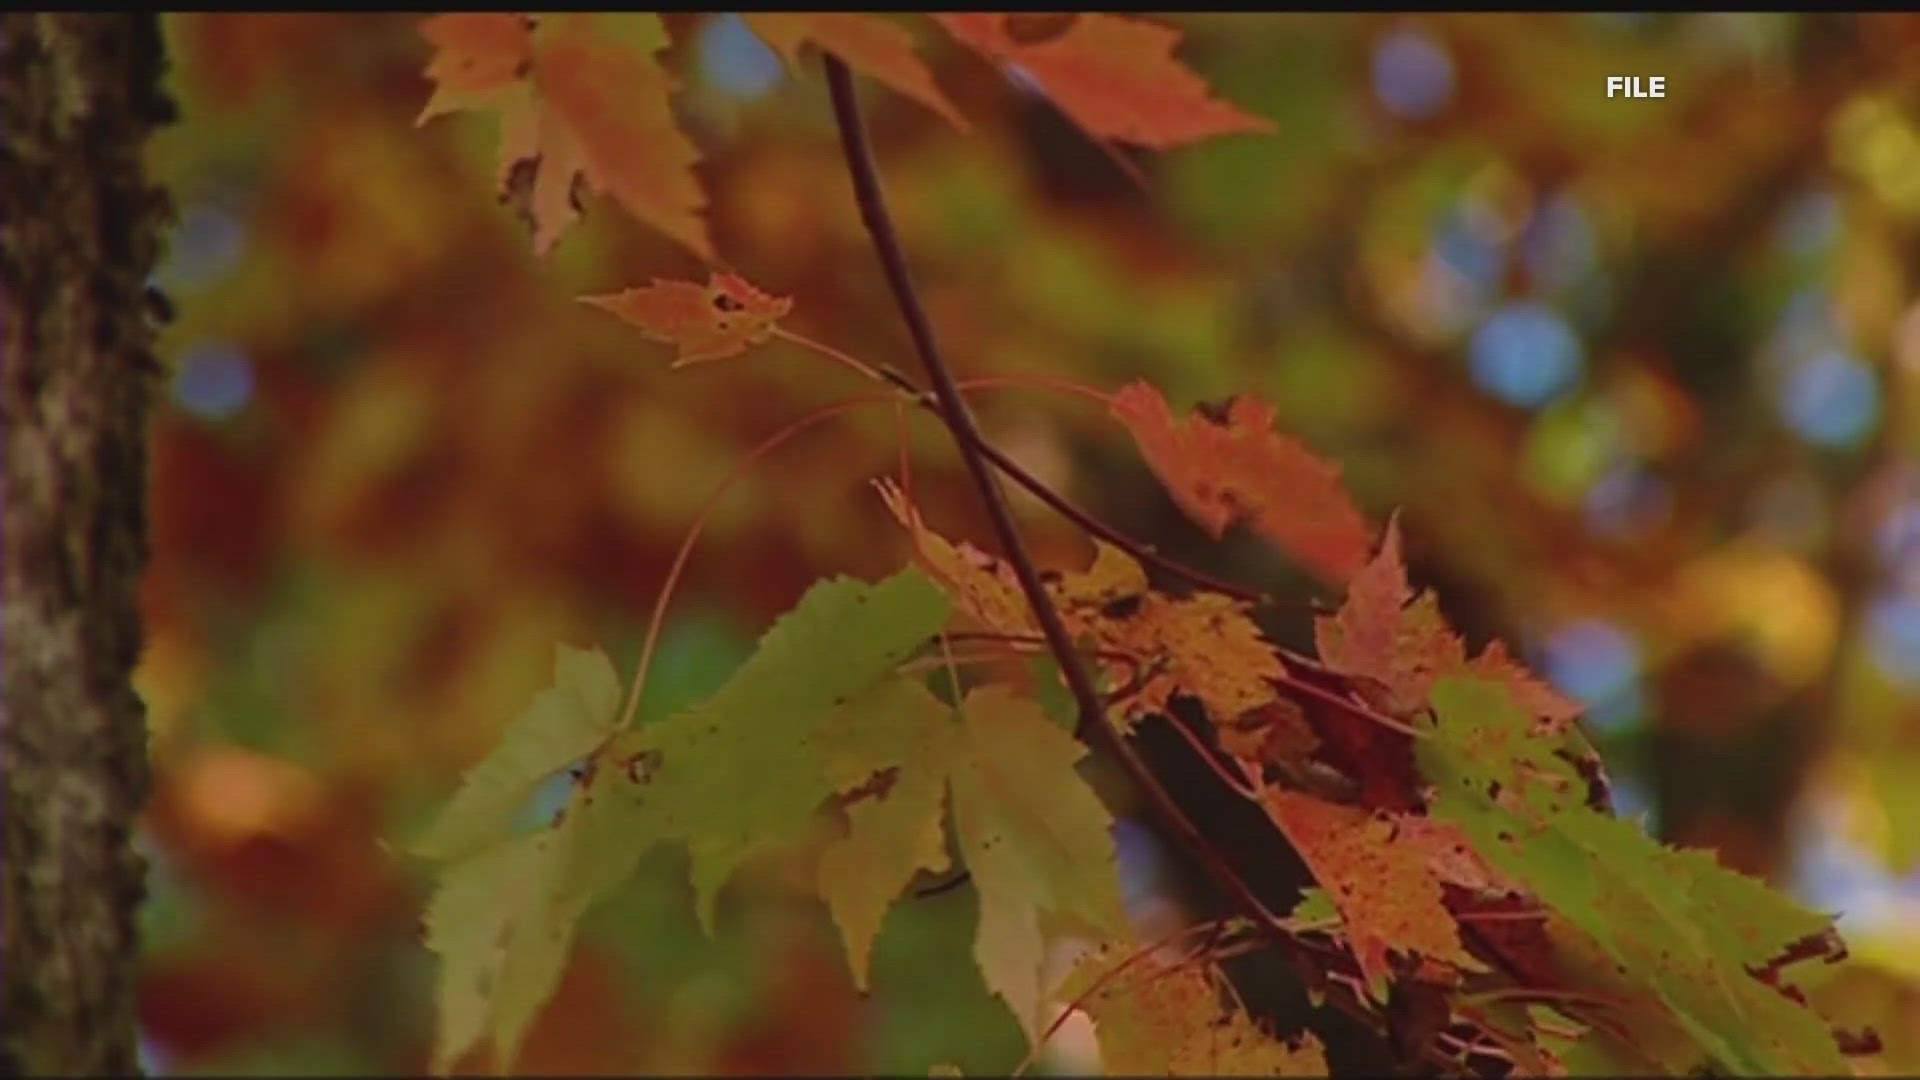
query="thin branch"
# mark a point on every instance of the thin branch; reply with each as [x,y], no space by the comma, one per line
[953,408]
[766,446]
[1141,552]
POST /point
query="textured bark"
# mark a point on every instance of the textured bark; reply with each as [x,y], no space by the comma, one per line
[79,236]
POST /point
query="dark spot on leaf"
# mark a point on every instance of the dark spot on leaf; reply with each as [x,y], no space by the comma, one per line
[642,766]
[516,188]
[1122,607]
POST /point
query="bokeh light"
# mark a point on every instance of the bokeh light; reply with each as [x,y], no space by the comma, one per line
[1599,664]
[1525,354]
[733,58]
[1412,74]
[1893,635]
[204,245]
[1830,398]
[1558,246]
[213,382]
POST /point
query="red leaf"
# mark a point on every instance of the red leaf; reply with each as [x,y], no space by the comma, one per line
[868,43]
[1378,634]
[580,98]
[1114,76]
[710,322]
[1387,634]
[1240,469]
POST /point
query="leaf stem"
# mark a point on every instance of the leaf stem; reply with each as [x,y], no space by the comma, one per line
[766,446]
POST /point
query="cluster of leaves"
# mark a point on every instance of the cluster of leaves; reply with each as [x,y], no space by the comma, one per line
[1453,816]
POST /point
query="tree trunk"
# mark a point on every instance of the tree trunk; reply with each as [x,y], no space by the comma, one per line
[79,236]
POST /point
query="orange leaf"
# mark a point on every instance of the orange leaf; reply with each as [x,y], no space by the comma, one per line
[1114,76]
[705,322]
[978,584]
[1238,468]
[1203,645]
[1380,878]
[868,43]
[1387,634]
[477,52]
[580,98]
[1378,634]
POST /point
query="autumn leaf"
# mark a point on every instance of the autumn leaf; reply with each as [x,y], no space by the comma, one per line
[1384,633]
[868,43]
[580,99]
[1380,878]
[977,583]
[1153,1018]
[1401,641]
[1036,840]
[1204,645]
[711,322]
[1239,469]
[1114,76]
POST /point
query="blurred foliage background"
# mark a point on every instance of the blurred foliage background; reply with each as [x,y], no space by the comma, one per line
[1643,374]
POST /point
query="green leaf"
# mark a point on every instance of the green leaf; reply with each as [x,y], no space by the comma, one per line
[1678,922]
[1497,751]
[745,771]
[478,923]
[1036,839]
[564,723]
[893,776]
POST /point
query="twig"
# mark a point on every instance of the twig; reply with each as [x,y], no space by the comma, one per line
[953,408]
[1144,553]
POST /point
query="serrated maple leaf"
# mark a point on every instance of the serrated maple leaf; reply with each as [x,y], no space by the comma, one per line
[1238,468]
[1204,645]
[580,99]
[1114,76]
[868,43]
[1036,839]
[1400,640]
[704,322]
[1154,1018]
[1381,880]
[1385,633]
